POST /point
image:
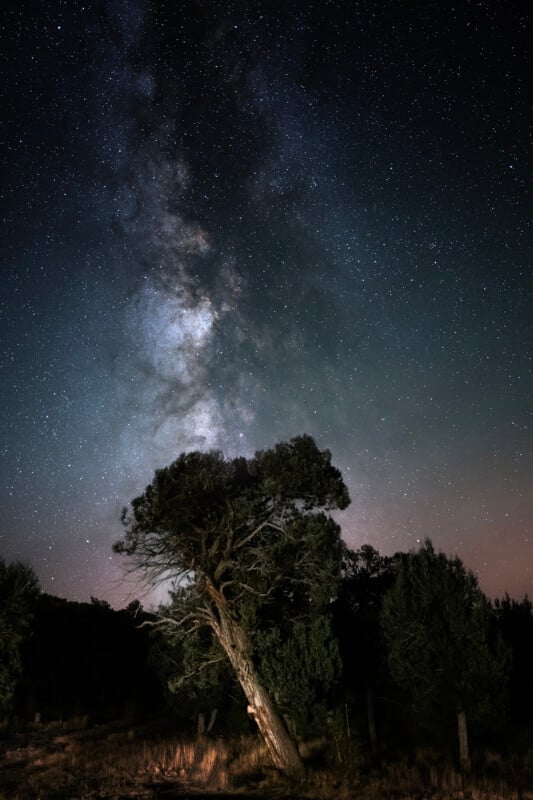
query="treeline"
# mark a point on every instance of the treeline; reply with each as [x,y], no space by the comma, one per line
[425,654]
[274,623]
[88,660]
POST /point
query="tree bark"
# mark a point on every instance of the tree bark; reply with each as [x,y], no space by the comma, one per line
[282,747]
[462,731]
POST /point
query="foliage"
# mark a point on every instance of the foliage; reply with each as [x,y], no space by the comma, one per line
[216,522]
[238,529]
[197,678]
[18,590]
[300,663]
[294,644]
[438,626]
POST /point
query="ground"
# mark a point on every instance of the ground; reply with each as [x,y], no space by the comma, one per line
[146,761]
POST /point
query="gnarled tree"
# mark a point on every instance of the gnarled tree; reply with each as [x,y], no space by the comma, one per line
[232,535]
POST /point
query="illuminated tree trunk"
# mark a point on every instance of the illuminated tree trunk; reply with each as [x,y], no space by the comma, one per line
[462,731]
[282,747]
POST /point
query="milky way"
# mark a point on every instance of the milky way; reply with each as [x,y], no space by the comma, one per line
[224,226]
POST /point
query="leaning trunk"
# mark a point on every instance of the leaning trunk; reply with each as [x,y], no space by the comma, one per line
[462,731]
[282,747]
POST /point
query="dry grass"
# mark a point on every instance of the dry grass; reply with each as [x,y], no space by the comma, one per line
[109,762]
[422,781]
[103,763]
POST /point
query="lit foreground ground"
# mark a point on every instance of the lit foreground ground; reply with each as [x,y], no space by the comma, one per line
[112,761]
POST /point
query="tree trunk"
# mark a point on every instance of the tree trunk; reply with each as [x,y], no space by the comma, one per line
[200,725]
[282,747]
[372,733]
[462,731]
[212,719]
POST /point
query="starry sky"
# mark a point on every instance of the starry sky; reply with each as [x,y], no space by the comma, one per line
[228,223]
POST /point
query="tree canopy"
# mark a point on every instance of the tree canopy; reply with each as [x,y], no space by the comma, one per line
[208,517]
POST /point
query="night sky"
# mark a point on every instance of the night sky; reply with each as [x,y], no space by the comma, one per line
[225,224]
